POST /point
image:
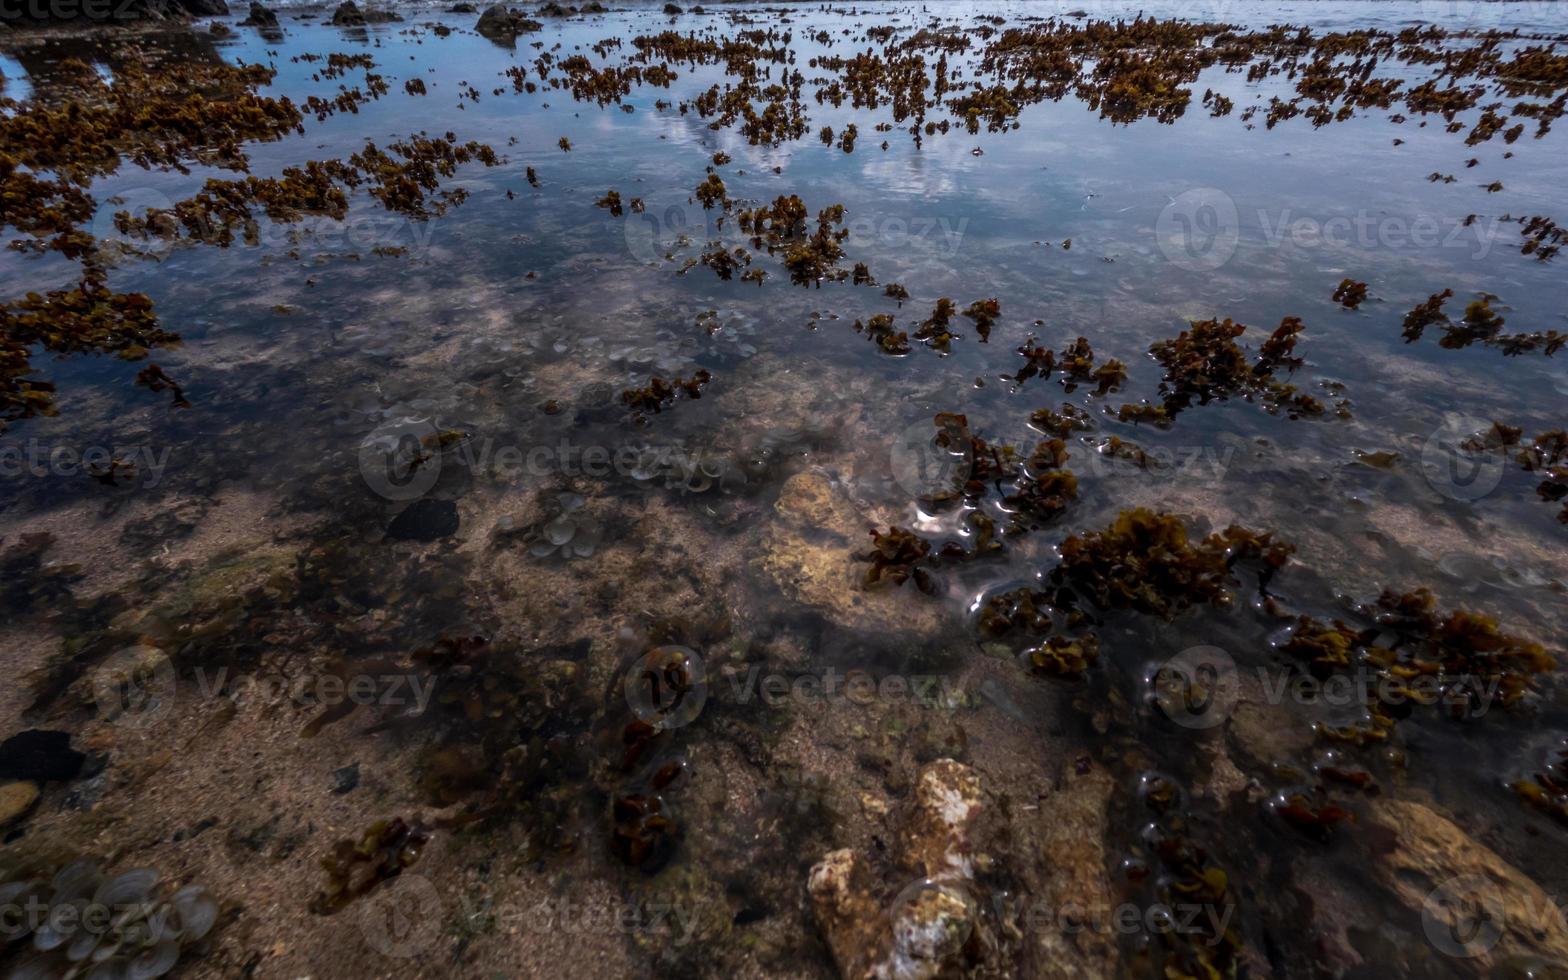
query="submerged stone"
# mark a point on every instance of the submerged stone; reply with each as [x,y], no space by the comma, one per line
[425,520]
[40,755]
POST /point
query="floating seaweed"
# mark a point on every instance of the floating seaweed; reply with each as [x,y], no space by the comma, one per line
[658,394]
[1350,294]
[1145,561]
[879,328]
[1204,363]
[984,312]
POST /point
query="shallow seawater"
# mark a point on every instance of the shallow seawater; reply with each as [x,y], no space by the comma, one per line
[413,455]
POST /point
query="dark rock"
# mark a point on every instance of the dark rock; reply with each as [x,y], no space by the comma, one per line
[40,755]
[425,520]
[205,8]
[348,14]
[462,8]
[259,17]
[671,8]
[501,22]
[345,780]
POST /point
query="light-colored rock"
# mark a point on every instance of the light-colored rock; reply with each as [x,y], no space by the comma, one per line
[1073,823]
[1461,888]
[932,927]
[936,841]
[850,918]
[16,799]
[809,553]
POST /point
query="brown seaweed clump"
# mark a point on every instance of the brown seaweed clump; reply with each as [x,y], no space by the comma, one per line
[1548,455]
[934,330]
[1204,363]
[1426,314]
[658,394]
[1415,654]
[1076,364]
[897,557]
[1047,487]
[985,313]
[1480,324]
[711,193]
[356,868]
[1144,561]
[87,319]
[1177,869]
[156,115]
[611,201]
[1547,788]
[879,328]
[643,834]
[1350,294]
